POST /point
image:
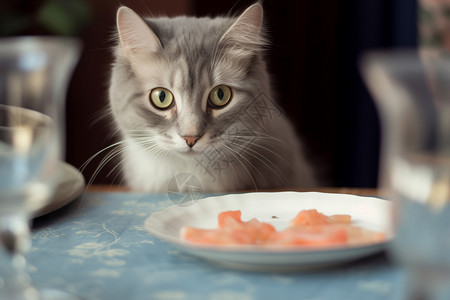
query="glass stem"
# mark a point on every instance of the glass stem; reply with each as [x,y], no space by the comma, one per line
[15,238]
[428,284]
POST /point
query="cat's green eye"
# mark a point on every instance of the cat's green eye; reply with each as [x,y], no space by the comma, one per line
[220,96]
[161,98]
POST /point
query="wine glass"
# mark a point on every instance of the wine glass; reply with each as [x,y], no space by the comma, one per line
[412,93]
[34,72]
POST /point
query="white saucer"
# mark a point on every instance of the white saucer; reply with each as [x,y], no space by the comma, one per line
[71,184]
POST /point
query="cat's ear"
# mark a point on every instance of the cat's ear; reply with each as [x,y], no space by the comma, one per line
[245,35]
[135,35]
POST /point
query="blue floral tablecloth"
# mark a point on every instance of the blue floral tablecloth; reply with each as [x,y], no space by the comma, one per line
[98,248]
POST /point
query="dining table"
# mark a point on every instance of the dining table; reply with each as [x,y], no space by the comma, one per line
[97,247]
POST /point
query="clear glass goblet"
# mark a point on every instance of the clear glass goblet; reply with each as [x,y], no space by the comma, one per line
[34,72]
[412,92]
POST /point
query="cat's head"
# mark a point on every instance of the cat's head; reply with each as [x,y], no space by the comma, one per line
[178,84]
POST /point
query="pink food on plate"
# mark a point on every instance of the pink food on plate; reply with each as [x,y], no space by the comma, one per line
[308,228]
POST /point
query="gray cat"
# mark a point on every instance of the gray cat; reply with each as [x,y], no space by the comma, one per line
[192,96]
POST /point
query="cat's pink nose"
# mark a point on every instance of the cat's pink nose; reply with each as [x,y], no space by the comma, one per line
[191,140]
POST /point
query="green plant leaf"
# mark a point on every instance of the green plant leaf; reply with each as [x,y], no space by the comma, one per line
[64,17]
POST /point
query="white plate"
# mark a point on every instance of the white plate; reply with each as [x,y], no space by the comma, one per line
[277,209]
[70,185]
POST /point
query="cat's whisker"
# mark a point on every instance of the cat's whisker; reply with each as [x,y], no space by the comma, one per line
[260,136]
[100,116]
[224,154]
[270,151]
[262,159]
[238,155]
[260,139]
[143,140]
[122,169]
[250,150]
[267,148]
[89,160]
[119,163]
[242,143]
[110,156]
[149,144]
[154,149]
[115,150]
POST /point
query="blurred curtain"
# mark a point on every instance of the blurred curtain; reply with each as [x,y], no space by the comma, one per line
[364,26]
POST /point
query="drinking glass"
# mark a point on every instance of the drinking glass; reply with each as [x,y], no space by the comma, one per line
[34,72]
[412,92]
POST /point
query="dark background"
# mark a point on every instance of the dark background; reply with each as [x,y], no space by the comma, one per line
[316,46]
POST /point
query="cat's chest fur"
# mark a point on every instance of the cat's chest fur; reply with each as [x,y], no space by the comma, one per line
[146,172]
